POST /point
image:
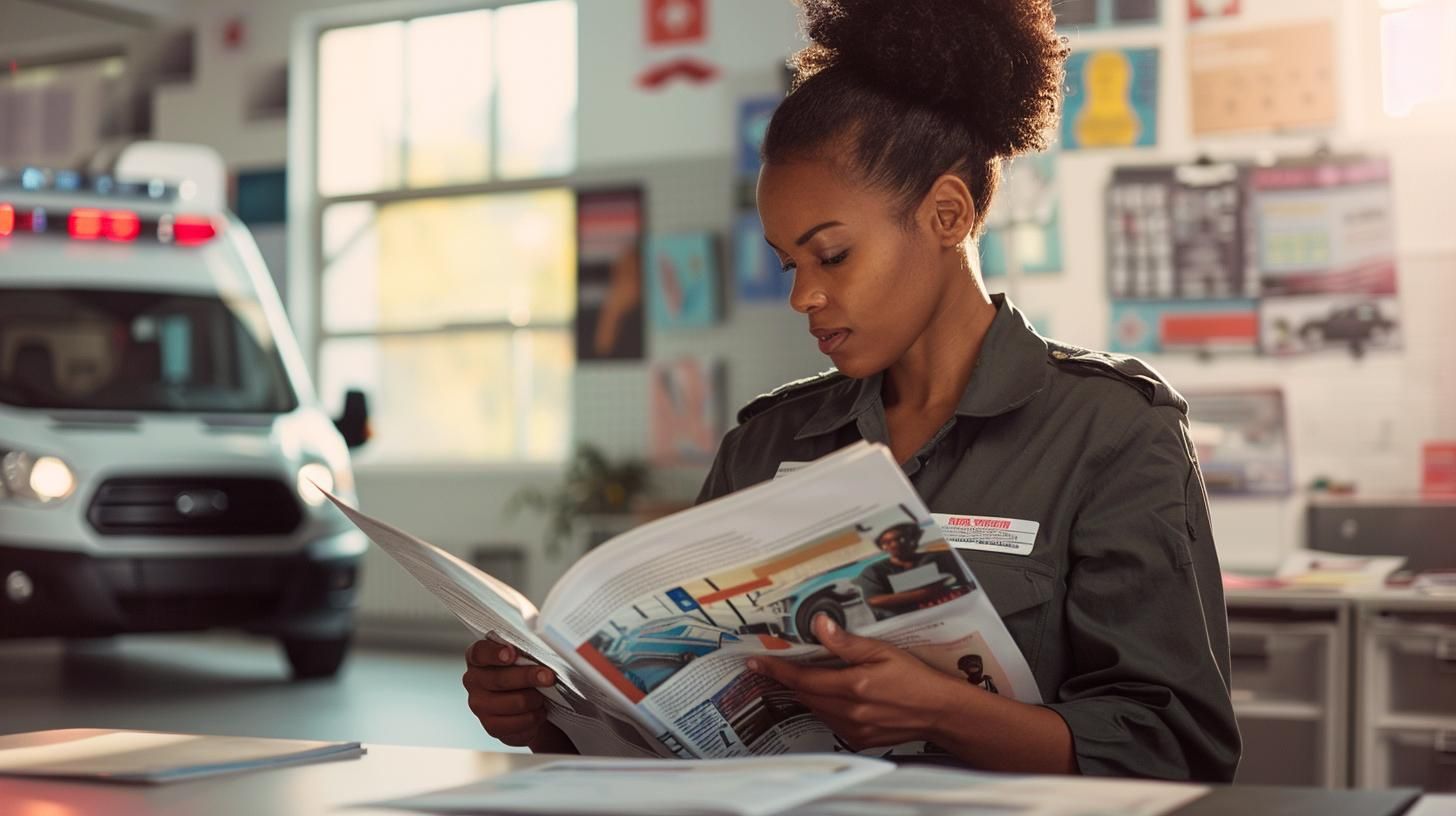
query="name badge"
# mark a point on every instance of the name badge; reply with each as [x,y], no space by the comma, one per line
[988,533]
[785,468]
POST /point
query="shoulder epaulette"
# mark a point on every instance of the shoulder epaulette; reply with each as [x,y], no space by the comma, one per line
[788,391]
[1123,368]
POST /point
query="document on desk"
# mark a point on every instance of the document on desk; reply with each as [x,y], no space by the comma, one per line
[606,787]
[911,791]
[144,757]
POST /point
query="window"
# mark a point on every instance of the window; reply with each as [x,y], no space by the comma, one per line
[446,235]
[1418,62]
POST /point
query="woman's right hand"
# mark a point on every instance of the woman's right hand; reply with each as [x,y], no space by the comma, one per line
[504,697]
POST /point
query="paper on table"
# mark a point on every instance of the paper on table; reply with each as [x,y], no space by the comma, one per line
[1313,569]
[912,791]
[148,757]
[734,787]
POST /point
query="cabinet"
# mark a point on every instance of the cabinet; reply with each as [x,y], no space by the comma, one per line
[1337,689]
[1289,666]
[1406,711]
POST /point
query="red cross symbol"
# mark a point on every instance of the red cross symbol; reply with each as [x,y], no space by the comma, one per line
[675,22]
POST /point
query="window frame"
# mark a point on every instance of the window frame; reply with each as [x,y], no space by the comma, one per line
[305,199]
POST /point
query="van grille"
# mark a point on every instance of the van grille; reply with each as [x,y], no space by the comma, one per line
[194,506]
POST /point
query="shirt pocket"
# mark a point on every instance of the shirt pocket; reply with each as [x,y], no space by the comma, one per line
[1021,590]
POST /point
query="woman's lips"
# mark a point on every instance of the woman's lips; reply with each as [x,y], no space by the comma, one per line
[831,339]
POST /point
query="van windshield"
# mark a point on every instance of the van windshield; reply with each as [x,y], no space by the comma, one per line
[107,350]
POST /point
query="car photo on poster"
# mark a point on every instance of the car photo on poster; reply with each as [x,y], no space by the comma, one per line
[1310,324]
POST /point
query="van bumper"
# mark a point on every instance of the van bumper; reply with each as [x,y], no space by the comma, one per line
[79,595]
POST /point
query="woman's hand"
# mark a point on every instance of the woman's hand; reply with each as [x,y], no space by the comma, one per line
[885,696]
[505,699]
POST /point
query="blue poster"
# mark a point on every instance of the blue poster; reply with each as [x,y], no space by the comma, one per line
[1025,218]
[756,270]
[1112,99]
[753,116]
[682,273]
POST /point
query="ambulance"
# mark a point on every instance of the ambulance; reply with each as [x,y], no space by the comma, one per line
[161,445]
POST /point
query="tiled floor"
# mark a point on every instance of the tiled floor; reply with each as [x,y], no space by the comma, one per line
[234,685]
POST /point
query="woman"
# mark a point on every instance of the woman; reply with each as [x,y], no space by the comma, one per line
[878,170]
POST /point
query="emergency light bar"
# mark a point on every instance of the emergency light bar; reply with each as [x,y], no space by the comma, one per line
[40,180]
[119,226]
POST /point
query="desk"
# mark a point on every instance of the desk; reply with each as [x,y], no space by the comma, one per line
[393,771]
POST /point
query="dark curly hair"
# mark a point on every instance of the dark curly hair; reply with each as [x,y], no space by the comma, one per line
[907,90]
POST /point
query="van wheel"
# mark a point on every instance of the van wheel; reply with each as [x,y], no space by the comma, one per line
[313,658]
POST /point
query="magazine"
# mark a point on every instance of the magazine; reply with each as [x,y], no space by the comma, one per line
[650,634]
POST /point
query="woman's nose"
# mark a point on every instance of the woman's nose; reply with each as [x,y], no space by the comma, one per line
[805,298]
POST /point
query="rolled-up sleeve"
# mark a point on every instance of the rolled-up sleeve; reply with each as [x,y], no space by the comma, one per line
[1147,632]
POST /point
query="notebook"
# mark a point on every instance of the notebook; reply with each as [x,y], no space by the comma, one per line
[145,757]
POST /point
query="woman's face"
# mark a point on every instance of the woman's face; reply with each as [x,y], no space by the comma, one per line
[868,285]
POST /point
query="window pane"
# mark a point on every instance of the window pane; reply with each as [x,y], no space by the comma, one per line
[448,107]
[351,260]
[442,261]
[537,64]
[360,108]
[457,396]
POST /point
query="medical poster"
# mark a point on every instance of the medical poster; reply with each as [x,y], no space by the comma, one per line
[686,407]
[757,274]
[1170,326]
[1083,14]
[682,272]
[1326,255]
[1242,441]
[1024,225]
[1178,232]
[753,117]
[1265,80]
[1212,9]
[609,311]
[1111,99]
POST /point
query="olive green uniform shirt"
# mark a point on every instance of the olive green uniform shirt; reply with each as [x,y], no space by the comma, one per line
[1119,606]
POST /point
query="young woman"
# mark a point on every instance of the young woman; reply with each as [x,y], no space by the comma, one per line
[879,168]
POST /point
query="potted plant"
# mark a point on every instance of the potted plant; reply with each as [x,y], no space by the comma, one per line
[596,492]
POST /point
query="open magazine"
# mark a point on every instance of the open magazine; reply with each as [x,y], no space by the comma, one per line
[650,633]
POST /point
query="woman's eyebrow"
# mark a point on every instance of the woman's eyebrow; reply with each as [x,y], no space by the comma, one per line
[812,231]
[809,233]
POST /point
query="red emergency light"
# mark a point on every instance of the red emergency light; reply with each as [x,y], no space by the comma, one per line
[84,224]
[121,225]
[7,220]
[191,230]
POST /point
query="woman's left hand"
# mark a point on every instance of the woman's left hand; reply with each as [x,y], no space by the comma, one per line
[885,696]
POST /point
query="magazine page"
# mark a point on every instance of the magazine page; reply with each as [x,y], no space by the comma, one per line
[668,614]
[915,791]
[596,722]
[734,787]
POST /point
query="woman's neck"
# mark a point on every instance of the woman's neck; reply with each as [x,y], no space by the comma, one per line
[934,372]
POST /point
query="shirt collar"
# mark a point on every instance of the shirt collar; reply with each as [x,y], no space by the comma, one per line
[1010,370]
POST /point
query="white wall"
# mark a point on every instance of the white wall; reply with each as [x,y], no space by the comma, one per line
[1359,420]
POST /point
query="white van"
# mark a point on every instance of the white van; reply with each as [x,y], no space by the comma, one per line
[159,436]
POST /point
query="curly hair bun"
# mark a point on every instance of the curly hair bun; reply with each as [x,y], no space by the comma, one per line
[994,65]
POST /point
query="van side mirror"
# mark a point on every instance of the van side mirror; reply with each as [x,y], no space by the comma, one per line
[353,423]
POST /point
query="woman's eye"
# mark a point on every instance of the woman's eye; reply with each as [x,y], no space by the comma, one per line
[788,267]
[837,259]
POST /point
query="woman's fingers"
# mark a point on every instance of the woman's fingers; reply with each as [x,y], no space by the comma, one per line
[506,702]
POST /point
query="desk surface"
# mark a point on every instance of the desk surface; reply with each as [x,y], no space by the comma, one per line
[394,771]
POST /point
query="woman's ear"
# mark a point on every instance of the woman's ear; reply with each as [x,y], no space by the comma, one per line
[952,210]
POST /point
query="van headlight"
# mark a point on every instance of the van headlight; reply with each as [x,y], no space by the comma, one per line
[30,477]
[312,474]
